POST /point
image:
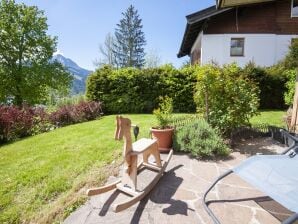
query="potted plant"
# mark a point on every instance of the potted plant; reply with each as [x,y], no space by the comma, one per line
[163,132]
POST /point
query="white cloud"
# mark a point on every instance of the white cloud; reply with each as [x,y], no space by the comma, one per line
[58,52]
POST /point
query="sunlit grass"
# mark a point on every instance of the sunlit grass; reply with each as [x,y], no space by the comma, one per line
[39,174]
[271,117]
[43,178]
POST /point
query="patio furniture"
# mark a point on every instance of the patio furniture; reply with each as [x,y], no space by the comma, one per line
[274,175]
[128,182]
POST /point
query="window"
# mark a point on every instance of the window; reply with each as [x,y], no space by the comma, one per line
[237,47]
[294,8]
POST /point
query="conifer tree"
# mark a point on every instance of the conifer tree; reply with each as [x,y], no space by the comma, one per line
[130,40]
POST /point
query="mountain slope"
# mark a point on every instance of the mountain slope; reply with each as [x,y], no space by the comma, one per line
[80,74]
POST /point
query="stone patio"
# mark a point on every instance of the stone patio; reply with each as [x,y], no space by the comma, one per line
[178,196]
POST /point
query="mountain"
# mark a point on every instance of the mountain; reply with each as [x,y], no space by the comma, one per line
[80,74]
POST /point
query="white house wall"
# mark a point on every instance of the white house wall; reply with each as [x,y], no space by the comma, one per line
[263,49]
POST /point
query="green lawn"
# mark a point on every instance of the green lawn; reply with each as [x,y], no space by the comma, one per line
[274,117]
[43,178]
[40,176]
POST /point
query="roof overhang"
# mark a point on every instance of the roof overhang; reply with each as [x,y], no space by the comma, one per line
[195,24]
[232,3]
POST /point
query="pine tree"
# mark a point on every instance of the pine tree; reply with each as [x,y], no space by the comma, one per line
[130,40]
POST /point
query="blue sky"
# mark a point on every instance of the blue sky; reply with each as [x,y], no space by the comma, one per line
[81,25]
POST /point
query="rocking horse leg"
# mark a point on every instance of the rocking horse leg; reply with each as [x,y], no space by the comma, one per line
[156,154]
[146,155]
[129,178]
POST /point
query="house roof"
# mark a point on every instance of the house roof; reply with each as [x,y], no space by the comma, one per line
[232,3]
[195,23]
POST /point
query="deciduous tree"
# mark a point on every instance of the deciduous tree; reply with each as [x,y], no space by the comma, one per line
[26,71]
[107,54]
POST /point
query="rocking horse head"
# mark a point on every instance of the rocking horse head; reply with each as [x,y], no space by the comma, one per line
[122,126]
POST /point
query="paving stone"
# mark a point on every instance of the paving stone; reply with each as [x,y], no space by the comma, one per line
[235,181]
[79,216]
[177,198]
[182,194]
[233,193]
[203,215]
[265,217]
[205,170]
[232,214]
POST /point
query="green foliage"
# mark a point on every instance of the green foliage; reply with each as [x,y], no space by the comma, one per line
[290,85]
[225,96]
[272,84]
[291,60]
[57,102]
[164,112]
[132,90]
[130,40]
[26,72]
[200,140]
[48,170]
[291,63]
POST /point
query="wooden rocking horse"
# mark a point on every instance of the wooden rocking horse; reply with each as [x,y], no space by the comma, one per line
[128,181]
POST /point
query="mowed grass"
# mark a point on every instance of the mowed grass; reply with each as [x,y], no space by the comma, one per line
[271,117]
[43,178]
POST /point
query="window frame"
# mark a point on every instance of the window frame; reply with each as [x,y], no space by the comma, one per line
[243,47]
[292,7]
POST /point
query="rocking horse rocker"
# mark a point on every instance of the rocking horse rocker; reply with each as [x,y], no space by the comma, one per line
[128,182]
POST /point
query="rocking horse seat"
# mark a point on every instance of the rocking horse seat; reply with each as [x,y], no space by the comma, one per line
[142,145]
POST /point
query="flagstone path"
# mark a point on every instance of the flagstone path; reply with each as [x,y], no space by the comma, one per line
[177,198]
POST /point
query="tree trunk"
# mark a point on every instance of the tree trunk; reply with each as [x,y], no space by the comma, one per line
[207,105]
[294,121]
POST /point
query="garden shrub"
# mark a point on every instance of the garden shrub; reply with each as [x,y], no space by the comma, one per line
[132,90]
[272,84]
[225,96]
[16,122]
[291,63]
[72,114]
[290,85]
[200,140]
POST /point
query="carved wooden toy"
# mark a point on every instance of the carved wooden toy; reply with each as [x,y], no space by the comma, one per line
[128,181]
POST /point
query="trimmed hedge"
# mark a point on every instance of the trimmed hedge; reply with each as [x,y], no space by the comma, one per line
[272,84]
[132,90]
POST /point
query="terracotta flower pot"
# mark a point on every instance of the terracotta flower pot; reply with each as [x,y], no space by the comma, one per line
[164,138]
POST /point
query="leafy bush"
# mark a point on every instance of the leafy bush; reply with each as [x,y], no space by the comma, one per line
[291,63]
[290,85]
[164,112]
[272,84]
[200,140]
[18,122]
[71,114]
[132,90]
[225,97]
